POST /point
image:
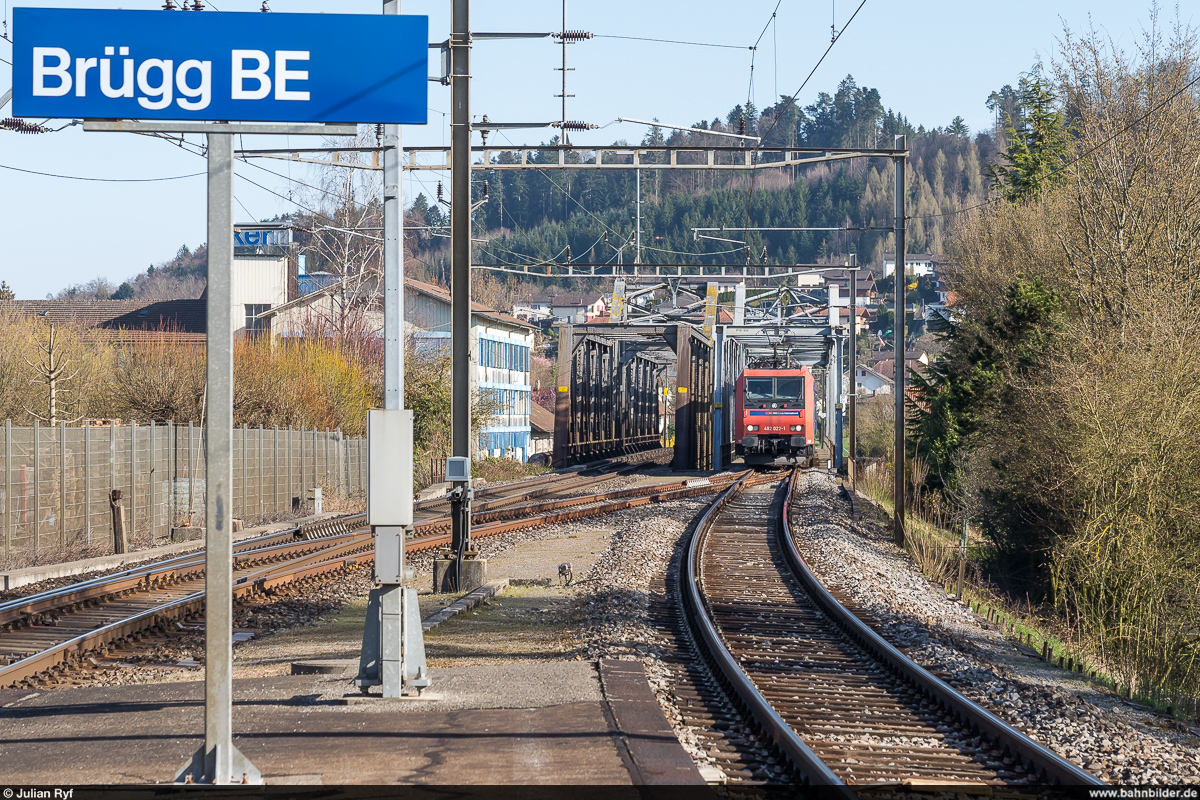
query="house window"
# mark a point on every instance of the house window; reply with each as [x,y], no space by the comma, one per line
[254,325]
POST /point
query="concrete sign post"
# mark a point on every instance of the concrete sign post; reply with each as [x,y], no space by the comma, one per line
[110,67]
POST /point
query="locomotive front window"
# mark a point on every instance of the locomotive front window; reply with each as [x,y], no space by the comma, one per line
[759,390]
[790,391]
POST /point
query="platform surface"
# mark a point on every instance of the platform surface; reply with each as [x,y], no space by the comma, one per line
[550,724]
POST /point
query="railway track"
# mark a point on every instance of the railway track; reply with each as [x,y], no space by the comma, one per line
[53,631]
[843,705]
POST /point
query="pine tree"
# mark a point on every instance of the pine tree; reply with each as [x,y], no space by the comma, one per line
[1037,142]
[1004,104]
[6,293]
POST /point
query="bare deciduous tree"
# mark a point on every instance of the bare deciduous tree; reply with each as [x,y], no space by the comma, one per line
[52,368]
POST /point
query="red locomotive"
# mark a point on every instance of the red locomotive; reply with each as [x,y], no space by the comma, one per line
[775,416]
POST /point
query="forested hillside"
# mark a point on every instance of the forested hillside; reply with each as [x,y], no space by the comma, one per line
[536,215]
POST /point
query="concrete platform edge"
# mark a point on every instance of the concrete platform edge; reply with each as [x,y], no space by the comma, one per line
[465,603]
[646,740]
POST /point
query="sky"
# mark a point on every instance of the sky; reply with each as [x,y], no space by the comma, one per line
[930,59]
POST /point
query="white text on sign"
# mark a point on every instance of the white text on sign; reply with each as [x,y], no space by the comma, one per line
[156,80]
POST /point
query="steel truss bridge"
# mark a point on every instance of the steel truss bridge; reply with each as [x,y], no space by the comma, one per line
[618,380]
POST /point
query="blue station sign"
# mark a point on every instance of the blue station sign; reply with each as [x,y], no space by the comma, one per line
[244,67]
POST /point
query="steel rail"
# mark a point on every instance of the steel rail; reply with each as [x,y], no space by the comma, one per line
[151,576]
[328,560]
[811,768]
[329,554]
[525,511]
[76,647]
[67,594]
[1055,768]
[503,496]
[160,573]
[552,517]
[1039,760]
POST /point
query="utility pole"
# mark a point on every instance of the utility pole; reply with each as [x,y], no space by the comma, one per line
[460,272]
[901,162]
[637,256]
[852,397]
[565,38]
[393,651]
[962,558]
[218,566]
[393,259]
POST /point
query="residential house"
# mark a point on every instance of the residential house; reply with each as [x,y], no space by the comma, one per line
[260,283]
[500,349]
[567,307]
[885,363]
[500,346]
[869,382]
[260,274]
[917,264]
[535,311]
[867,293]
[864,316]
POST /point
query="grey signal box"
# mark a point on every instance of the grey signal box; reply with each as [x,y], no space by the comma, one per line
[390,467]
[458,468]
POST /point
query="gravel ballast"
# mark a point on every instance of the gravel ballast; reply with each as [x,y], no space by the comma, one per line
[1088,724]
[621,610]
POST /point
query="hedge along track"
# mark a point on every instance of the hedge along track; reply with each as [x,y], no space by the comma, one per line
[843,705]
[54,630]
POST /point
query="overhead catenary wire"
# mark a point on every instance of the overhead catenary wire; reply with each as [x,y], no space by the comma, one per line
[682,253]
[102,180]
[791,101]
[243,205]
[557,186]
[754,52]
[673,41]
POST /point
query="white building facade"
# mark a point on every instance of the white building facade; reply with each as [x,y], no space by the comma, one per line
[918,264]
[870,383]
[259,285]
[260,275]
[501,348]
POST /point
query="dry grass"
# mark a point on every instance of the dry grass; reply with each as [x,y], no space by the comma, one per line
[499,470]
[932,548]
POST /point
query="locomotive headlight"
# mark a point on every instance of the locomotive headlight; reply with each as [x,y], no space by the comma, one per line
[774,405]
[797,427]
[751,427]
